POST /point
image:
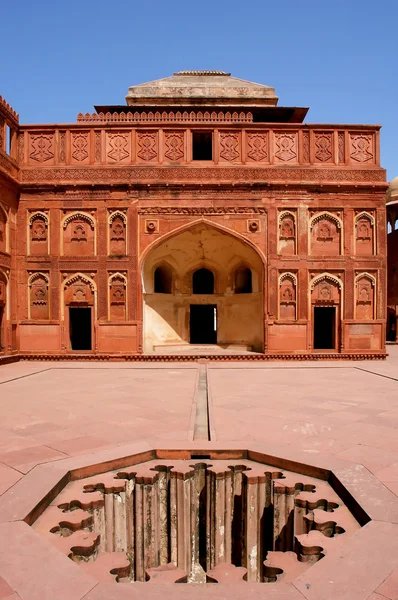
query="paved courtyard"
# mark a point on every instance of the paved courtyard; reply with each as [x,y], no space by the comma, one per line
[346,410]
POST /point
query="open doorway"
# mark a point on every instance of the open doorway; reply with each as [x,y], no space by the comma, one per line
[203,324]
[324,327]
[80,328]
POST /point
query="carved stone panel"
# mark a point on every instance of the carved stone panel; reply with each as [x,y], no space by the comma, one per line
[118,147]
[173,145]
[38,232]
[325,290]
[117,235]
[287,297]
[38,297]
[117,298]
[364,309]
[361,148]
[41,148]
[286,147]
[80,150]
[78,235]
[78,290]
[147,146]
[324,147]
[230,150]
[287,233]
[257,147]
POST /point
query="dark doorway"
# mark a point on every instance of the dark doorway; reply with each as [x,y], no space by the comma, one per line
[203,324]
[324,327]
[203,282]
[202,145]
[80,328]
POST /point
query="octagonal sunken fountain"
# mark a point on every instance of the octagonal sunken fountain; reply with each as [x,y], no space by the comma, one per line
[181,517]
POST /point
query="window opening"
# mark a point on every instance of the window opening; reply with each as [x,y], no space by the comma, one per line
[163,280]
[202,145]
[203,282]
[243,281]
[324,327]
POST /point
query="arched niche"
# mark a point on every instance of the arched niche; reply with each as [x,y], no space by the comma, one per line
[39,302]
[365,288]
[326,235]
[117,302]
[117,234]
[287,232]
[79,312]
[78,235]
[202,281]
[238,318]
[38,233]
[4,234]
[287,296]
[364,234]
[243,280]
[163,279]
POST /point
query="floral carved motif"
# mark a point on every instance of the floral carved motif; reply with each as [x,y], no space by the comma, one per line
[285,147]
[364,229]
[174,142]
[341,146]
[62,146]
[39,230]
[21,149]
[361,150]
[80,146]
[306,146]
[323,147]
[79,233]
[97,146]
[119,144]
[42,148]
[258,146]
[2,292]
[202,210]
[147,145]
[229,143]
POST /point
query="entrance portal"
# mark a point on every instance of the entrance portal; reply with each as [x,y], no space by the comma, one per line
[324,327]
[203,324]
[80,328]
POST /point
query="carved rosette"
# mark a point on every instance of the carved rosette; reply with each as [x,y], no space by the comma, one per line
[229,145]
[257,146]
[147,143]
[174,145]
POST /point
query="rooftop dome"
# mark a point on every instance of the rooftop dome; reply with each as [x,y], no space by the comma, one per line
[392,192]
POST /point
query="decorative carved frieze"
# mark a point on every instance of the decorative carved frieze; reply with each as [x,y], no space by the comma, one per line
[147,143]
[201,210]
[341,146]
[361,148]
[174,145]
[41,147]
[229,145]
[257,146]
[286,147]
[80,146]
[118,146]
[306,146]
[323,147]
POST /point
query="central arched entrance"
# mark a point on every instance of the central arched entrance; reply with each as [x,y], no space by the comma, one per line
[203,285]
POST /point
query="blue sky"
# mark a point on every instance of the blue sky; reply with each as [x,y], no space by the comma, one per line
[339,57]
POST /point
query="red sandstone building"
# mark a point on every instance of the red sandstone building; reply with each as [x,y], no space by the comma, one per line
[199,213]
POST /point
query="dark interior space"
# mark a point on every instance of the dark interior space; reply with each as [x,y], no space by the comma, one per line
[203,282]
[203,324]
[163,280]
[324,327]
[202,145]
[80,328]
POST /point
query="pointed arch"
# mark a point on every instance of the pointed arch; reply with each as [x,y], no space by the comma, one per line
[326,214]
[328,276]
[38,214]
[117,301]
[73,279]
[82,216]
[44,298]
[117,234]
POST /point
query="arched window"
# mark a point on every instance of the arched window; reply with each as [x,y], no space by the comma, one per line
[243,281]
[163,280]
[203,282]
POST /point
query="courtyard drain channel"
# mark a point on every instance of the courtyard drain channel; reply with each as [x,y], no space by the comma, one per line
[202,426]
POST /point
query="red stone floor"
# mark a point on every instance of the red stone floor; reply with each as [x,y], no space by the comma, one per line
[345,410]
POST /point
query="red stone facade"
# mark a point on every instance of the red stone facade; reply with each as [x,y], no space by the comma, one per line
[83,205]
